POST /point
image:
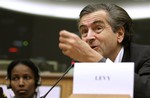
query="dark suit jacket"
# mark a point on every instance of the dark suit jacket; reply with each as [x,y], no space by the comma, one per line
[140,55]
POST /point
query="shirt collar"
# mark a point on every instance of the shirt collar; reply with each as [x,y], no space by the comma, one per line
[119,56]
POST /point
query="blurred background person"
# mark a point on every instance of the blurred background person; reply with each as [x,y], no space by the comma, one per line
[23,78]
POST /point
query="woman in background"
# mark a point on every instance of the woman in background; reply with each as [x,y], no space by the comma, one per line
[23,77]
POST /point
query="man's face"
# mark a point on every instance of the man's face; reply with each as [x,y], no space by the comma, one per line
[22,81]
[97,32]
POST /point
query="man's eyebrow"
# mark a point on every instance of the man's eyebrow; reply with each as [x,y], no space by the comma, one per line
[95,22]
[81,26]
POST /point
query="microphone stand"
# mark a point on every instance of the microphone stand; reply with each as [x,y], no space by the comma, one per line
[58,80]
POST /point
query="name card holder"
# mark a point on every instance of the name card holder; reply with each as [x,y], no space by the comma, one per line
[98,96]
[103,80]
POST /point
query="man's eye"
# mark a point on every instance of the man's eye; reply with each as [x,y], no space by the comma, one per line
[99,29]
[83,33]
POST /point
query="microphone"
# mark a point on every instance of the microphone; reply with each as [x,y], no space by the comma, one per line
[72,64]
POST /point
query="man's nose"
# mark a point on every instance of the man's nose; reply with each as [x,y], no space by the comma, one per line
[90,36]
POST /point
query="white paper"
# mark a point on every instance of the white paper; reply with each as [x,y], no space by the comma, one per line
[54,93]
[103,78]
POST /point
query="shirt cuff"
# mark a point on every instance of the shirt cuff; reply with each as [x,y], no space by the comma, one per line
[103,60]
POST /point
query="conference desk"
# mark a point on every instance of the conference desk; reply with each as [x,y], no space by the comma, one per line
[66,84]
[50,79]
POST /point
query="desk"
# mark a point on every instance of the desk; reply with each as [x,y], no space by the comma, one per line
[50,79]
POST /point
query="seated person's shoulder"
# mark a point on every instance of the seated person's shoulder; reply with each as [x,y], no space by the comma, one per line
[134,45]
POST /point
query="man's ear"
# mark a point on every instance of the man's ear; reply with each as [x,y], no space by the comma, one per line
[120,34]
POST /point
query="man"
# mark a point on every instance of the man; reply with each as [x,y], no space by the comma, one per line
[106,33]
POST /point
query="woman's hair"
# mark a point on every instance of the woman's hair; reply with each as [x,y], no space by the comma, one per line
[27,63]
[117,18]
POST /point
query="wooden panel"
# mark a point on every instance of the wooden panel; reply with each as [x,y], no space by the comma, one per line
[65,83]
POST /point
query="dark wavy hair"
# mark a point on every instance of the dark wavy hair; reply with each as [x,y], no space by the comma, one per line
[117,17]
[27,63]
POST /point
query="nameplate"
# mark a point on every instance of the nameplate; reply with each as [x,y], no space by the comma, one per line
[103,78]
